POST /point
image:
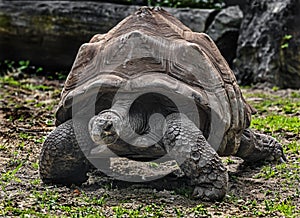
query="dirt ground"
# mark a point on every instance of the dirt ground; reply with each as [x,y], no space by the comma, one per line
[26,117]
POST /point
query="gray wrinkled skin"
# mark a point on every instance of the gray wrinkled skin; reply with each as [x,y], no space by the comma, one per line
[202,163]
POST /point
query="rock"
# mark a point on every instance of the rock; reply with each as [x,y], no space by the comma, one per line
[195,19]
[49,33]
[224,30]
[241,3]
[269,44]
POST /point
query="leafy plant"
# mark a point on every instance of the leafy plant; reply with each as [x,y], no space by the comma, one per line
[277,123]
[174,3]
[10,175]
[10,80]
[293,147]
[124,212]
[19,66]
[3,147]
[23,65]
[188,3]
[284,207]
[200,210]
[285,41]
[228,160]
[266,172]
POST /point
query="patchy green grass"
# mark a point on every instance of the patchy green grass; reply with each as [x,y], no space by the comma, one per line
[276,114]
[27,116]
[10,175]
[293,147]
[279,115]
[276,123]
[11,81]
[285,207]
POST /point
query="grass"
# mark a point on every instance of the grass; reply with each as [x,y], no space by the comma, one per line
[11,81]
[200,210]
[2,147]
[279,116]
[293,147]
[276,123]
[10,175]
[285,207]
[253,192]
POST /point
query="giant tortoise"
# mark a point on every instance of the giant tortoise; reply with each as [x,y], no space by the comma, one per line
[148,89]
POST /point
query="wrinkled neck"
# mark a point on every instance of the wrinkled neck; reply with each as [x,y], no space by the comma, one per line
[121,109]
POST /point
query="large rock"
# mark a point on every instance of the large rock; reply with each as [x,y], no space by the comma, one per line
[241,3]
[269,44]
[224,30]
[49,33]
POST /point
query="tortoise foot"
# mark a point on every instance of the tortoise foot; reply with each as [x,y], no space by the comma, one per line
[196,158]
[256,147]
[61,160]
[209,176]
[208,193]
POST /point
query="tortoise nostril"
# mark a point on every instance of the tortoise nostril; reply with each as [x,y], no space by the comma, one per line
[107,126]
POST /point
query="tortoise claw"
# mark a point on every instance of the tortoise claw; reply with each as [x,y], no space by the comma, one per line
[256,147]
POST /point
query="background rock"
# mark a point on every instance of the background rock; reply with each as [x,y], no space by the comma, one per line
[224,30]
[241,3]
[269,44]
[49,33]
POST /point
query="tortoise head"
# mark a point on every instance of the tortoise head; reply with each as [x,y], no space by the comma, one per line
[103,128]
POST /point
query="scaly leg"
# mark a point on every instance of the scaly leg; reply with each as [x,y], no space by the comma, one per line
[257,147]
[198,160]
[62,160]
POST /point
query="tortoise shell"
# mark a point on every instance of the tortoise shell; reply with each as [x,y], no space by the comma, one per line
[149,50]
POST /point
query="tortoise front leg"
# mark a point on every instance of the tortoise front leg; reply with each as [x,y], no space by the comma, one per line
[200,162]
[62,160]
[257,147]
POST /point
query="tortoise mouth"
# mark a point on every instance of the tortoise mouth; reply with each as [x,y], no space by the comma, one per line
[109,137]
[102,128]
[104,137]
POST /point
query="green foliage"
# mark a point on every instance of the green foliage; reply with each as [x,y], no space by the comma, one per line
[3,147]
[275,114]
[200,210]
[276,123]
[19,67]
[153,165]
[269,103]
[266,172]
[151,210]
[178,212]
[35,165]
[228,160]
[187,3]
[10,174]
[174,3]
[285,41]
[289,173]
[121,212]
[46,198]
[10,80]
[23,65]
[293,147]
[285,207]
